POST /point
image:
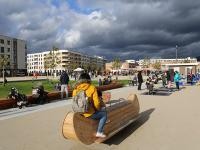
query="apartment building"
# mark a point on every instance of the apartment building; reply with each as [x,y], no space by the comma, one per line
[125,66]
[183,65]
[167,61]
[129,65]
[15,50]
[68,60]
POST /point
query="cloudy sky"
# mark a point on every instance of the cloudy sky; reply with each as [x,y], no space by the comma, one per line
[128,29]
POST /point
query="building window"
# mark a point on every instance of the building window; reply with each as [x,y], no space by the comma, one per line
[2,41]
[2,49]
[8,42]
[8,49]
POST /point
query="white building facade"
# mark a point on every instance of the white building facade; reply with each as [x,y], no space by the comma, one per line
[69,60]
[15,50]
[168,61]
[183,65]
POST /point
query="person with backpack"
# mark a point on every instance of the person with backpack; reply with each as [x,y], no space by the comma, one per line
[91,103]
[64,80]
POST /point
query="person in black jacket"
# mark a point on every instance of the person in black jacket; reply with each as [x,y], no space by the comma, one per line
[140,80]
[168,79]
[64,80]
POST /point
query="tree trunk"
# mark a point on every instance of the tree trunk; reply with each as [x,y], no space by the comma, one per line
[3,76]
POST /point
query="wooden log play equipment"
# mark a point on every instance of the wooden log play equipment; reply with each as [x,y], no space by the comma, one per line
[120,114]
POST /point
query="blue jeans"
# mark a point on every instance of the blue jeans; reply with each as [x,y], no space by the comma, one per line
[177,85]
[102,117]
[64,87]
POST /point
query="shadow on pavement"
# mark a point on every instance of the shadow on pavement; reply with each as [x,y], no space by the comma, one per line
[123,134]
[162,91]
[158,93]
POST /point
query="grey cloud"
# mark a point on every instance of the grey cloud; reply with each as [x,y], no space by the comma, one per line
[130,29]
[163,24]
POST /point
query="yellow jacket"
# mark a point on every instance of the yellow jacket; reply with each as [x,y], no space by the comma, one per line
[91,92]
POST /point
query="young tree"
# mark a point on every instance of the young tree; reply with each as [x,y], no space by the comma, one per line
[46,65]
[73,66]
[85,67]
[116,63]
[157,65]
[51,61]
[93,67]
[4,60]
[146,62]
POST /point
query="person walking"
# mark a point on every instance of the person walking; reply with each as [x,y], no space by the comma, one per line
[64,80]
[168,79]
[95,112]
[140,80]
[177,79]
[164,79]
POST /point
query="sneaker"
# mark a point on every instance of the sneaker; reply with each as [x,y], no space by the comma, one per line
[107,121]
[100,135]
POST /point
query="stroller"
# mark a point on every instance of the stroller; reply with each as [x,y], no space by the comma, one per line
[20,98]
[39,94]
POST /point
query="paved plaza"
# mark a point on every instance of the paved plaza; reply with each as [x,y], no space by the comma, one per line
[168,122]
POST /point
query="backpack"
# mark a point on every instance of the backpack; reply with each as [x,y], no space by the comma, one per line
[81,102]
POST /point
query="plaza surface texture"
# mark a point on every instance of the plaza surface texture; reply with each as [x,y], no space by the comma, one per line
[167,123]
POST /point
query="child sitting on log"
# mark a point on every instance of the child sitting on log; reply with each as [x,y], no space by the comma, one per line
[94,112]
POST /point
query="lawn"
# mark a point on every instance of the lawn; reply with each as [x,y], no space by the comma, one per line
[25,87]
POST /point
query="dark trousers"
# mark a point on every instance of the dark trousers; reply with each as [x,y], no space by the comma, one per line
[139,85]
[177,85]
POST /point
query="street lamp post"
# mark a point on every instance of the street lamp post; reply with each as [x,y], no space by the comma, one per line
[176,52]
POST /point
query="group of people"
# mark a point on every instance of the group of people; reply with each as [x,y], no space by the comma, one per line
[167,79]
[137,80]
[191,78]
[105,81]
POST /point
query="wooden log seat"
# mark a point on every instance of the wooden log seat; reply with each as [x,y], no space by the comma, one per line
[109,86]
[4,103]
[120,114]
